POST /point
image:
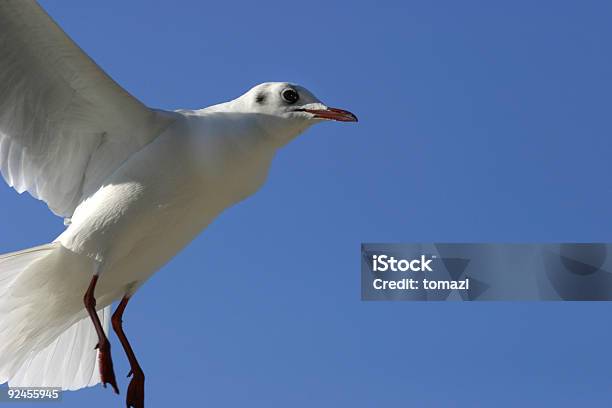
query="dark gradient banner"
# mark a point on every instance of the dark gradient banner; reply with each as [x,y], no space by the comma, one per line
[566,271]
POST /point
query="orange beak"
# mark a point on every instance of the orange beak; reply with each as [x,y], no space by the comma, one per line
[339,115]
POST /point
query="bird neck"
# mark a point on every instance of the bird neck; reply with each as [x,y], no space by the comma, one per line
[275,130]
[280,131]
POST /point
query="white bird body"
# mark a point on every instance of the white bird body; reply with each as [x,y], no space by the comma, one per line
[164,195]
[147,210]
[135,185]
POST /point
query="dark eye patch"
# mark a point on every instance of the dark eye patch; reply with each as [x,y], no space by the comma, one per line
[260,98]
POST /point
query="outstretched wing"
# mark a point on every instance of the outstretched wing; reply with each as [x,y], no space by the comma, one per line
[65,125]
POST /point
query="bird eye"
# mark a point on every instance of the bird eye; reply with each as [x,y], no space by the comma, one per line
[290,96]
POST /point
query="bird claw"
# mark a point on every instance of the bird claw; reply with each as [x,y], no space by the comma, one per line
[135,391]
[107,374]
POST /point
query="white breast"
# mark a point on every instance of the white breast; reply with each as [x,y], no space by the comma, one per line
[164,195]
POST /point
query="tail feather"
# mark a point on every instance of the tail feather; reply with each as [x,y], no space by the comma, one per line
[15,262]
[69,362]
[46,339]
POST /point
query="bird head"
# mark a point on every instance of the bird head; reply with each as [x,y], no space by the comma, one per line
[285,110]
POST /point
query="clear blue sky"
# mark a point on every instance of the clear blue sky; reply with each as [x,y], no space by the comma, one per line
[479,121]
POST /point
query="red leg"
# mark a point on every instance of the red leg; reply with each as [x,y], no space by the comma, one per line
[135,392]
[107,373]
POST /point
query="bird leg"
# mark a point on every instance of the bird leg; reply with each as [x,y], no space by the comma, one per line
[135,392]
[107,374]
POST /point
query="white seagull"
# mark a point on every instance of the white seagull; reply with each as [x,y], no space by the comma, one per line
[134,185]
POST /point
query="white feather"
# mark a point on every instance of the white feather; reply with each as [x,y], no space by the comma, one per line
[65,125]
[46,339]
[69,362]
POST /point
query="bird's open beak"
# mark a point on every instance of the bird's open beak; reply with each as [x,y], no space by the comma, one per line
[339,115]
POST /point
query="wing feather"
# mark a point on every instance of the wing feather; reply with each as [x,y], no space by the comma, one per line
[65,125]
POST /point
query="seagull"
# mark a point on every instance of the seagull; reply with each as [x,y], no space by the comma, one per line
[133,184]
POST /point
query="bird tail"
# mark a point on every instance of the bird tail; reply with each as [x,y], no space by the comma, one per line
[46,338]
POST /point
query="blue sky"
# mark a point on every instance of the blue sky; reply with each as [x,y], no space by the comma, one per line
[479,121]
